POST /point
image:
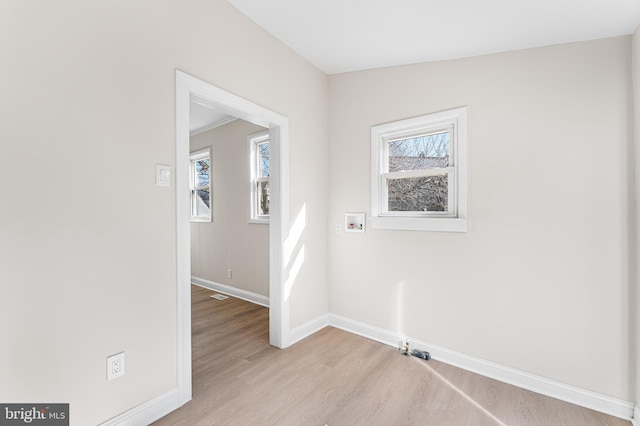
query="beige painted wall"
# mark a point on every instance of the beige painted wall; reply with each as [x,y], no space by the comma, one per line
[229,241]
[636,97]
[87,246]
[541,280]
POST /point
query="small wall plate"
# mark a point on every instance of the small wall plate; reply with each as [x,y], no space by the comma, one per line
[163,175]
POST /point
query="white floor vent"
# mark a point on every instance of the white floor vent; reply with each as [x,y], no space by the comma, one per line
[219,297]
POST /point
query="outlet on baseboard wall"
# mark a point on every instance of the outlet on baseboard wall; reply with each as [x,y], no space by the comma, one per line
[229,273]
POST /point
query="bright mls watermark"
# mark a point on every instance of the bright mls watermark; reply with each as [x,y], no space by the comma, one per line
[34,414]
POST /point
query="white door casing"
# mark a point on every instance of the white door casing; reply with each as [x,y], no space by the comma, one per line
[189,88]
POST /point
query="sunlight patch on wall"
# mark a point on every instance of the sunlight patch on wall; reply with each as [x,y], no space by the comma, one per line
[291,243]
[294,235]
[293,273]
[400,307]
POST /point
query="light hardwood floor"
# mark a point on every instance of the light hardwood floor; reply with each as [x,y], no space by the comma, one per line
[337,378]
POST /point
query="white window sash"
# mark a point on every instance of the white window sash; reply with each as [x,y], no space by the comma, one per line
[194,157]
[407,174]
[254,180]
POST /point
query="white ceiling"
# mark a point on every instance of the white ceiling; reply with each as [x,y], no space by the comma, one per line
[348,35]
[202,118]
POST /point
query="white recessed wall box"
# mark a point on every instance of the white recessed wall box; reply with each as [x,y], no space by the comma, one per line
[354,222]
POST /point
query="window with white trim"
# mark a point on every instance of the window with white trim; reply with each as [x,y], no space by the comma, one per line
[259,166]
[200,185]
[419,173]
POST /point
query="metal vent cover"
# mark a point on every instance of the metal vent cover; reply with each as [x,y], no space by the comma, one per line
[219,297]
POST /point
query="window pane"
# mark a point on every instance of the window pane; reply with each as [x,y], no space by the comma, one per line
[263,198]
[202,203]
[419,153]
[419,194]
[202,172]
[263,159]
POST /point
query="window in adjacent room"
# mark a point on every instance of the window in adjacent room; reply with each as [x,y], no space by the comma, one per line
[418,178]
[259,177]
[200,183]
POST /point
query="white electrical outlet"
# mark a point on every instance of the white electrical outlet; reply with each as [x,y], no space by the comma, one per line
[229,274]
[115,366]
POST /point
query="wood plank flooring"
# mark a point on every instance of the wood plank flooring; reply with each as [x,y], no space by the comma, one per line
[337,378]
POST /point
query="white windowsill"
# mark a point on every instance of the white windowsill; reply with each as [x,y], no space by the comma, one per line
[201,219]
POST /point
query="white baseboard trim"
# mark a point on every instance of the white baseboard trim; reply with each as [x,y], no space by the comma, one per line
[308,328]
[636,415]
[232,291]
[366,330]
[512,376]
[147,412]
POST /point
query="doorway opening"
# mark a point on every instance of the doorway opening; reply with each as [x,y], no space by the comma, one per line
[190,89]
[229,241]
